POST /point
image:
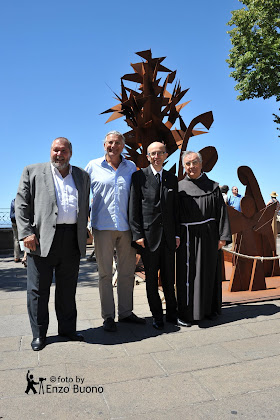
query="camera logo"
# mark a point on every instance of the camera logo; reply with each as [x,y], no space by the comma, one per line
[31,383]
[61,385]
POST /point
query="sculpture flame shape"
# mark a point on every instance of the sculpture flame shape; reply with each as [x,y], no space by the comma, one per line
[146,110]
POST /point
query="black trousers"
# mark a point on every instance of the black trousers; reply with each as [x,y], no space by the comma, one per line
[162,259]
[63,260]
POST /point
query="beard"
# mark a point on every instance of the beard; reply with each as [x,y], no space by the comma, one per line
[60,165]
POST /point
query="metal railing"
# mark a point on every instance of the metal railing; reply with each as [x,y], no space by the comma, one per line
[5,221]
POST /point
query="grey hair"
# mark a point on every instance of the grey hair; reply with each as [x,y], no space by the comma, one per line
[116,133]
[66,141]
[189,152]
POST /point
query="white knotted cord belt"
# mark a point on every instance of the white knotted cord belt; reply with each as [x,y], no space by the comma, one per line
[188,251]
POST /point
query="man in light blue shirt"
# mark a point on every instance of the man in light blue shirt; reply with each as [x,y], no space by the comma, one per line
[234,200]
[110,183]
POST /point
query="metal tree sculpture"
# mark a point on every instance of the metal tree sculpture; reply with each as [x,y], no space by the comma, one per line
[146,109]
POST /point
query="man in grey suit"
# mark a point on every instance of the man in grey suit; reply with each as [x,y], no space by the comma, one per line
[51,213]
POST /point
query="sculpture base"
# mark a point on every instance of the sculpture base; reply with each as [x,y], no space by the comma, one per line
[230,298]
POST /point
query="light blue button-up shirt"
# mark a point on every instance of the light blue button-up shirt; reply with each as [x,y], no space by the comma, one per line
[234,201]
[110,190]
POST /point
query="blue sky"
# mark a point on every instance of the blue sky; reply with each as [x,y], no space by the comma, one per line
[59,57]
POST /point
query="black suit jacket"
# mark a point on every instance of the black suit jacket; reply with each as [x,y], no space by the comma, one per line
[151,211]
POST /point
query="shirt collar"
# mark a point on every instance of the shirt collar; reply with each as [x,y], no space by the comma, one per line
[55,171]
[123,160]
[155,172]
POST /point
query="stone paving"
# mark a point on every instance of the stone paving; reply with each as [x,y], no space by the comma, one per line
[223,369]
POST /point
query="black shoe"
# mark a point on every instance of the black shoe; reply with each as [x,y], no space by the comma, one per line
[171,319]
[134,319]
[182,323]
[109,325]
[158,324]
[38,343]
[73,337]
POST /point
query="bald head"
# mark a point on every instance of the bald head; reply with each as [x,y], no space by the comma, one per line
[156,154]
[234,190]
[155,144]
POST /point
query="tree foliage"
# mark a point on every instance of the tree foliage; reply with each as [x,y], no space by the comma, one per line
[255,55]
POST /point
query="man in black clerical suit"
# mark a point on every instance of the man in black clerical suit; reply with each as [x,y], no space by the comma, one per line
[154,222]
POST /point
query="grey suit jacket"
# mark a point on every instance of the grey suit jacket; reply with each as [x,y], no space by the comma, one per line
[36,206]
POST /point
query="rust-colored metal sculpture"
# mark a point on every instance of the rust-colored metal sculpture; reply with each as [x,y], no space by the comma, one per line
[146,110]
[255,237]
[151,112]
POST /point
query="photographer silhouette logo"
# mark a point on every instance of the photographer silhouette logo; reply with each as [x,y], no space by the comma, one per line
[31,383]
[61,385]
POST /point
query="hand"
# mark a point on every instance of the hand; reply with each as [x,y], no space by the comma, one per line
[30,242]
[177,242]
[221,244]
[140,242]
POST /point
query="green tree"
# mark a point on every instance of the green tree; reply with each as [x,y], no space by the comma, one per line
[255,55]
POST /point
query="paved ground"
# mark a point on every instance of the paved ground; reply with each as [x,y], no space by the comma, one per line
[227,369]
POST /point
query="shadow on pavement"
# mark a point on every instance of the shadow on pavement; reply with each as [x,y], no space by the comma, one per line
[124,334]
[239,312]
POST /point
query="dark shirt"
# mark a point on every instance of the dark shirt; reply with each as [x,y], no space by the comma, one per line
[12,211]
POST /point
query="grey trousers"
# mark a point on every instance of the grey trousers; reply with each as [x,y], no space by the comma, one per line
[105,242]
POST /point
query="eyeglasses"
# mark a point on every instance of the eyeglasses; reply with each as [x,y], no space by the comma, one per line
[193,163]
[153,154]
